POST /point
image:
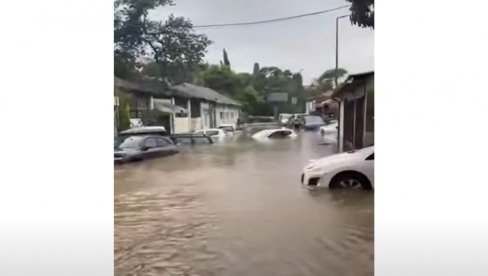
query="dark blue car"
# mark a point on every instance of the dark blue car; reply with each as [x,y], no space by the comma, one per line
[312,122]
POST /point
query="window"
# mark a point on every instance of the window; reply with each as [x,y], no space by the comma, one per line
[221,115]
[279,134]
[150,143]
[371,157]
[212,132]
[232,115]
[161,142]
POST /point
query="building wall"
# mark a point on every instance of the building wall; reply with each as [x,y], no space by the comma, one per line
[226,114]
[182,125]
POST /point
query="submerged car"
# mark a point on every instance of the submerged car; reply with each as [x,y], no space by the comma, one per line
[227,128]
[191,139]
[279,133]
[349,170]
[312,122]
[136,148]
[142,131]
[212,132]
[329,132]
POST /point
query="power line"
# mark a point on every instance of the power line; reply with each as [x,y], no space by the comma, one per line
[270,20]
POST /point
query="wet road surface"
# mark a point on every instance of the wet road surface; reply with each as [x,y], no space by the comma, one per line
[237,208]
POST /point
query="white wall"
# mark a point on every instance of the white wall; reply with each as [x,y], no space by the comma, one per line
[226,114]
[181,125]
[341,127]
[204,115]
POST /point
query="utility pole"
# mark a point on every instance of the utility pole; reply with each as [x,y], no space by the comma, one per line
[337,48]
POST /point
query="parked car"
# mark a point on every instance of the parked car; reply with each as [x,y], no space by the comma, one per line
[212,132]
[135,148]
[313,122]
[227,128]
[191,139]
[143,131]
[284,117]
[279,133]
[329,132]
[353,170]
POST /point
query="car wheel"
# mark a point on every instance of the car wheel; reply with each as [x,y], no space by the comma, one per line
[350,180]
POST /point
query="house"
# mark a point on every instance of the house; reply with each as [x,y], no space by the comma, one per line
[356,111]
[185,107]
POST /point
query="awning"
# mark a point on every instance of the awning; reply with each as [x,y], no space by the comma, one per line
[167,107]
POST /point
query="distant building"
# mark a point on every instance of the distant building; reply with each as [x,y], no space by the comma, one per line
[356,111]
[187,107]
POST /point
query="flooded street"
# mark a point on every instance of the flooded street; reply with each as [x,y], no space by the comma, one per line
[237,208]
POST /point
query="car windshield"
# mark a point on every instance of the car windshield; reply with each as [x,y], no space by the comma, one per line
[128,142]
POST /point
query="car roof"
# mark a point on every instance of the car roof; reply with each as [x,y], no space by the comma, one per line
[267,132]
[144,129]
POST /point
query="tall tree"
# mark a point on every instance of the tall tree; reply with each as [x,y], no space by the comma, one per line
[226,59]
[255,70]
[172,44]
[362,13]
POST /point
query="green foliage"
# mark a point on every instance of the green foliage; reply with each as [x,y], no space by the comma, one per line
[123,116]
[171,45]
[152,117]
[251,89]
[362,13]
[226,59]
[325,82]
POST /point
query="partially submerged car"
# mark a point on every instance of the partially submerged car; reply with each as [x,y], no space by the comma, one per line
[329,132]
[212,132]
[279,133]
[136,148]
[191,139]
[349,170]
[311,122]
[227,128]
[142,131]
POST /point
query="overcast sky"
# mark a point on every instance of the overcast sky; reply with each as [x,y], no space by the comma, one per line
[306,44]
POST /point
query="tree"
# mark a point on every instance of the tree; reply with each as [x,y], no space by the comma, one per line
[255,70]
[172,45]
[226,59]
[328,77]
[362,13]
[123,116]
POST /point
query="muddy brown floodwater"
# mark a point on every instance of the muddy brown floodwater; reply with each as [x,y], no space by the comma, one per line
[237,208]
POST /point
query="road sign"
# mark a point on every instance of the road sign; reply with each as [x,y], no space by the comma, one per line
[276,97]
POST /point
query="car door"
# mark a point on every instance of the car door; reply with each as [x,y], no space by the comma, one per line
[151,148]
[166,147]
[368,168]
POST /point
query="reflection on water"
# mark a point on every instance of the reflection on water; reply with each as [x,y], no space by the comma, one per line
[236,208]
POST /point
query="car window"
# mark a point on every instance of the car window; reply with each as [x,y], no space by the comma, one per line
[128,142]
[161,142]
[280,134]
[371,157]
[212,132]
[150,143]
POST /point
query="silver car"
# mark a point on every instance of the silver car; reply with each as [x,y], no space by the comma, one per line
[136,148]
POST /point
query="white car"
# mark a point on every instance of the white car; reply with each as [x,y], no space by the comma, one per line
[212,132]
[329,132]
[354,170]
[278,133]
[228,128]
